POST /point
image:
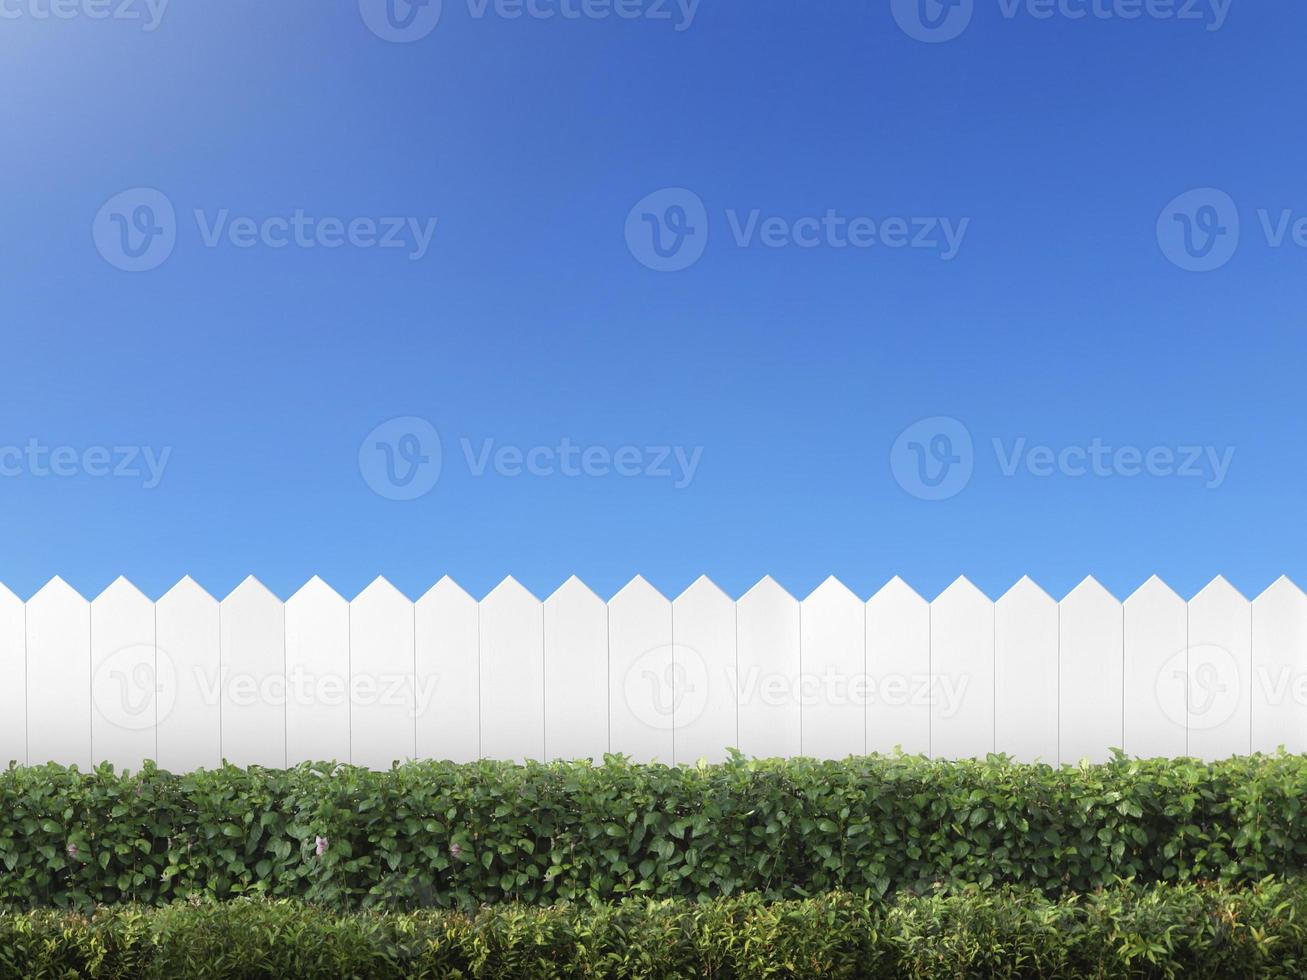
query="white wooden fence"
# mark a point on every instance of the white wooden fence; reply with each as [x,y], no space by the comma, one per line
[189,680]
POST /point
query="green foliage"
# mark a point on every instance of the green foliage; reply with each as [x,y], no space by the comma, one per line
[1158,931]
[433,834]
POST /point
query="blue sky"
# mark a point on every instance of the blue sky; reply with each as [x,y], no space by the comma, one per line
[1145,391]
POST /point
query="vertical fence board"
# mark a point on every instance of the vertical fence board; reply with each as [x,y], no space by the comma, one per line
[1279,669]
[962,673]
[253,697]
[448,654]
[642,694]
[383,710]
[186,623]
[317,675]
[704,674]
[1219,668]
[1156,641]
[767,624]
[576,673]
[58,676]
[512,684]
[1025,674]
[124,677]
[1091,648]
[13,680]
[898,670]
[833,672]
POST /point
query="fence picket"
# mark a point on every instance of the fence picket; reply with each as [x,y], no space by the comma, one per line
[1025,674]
[512,684]
[383,706]
[898,670]
[187,629]
[1279,669]
[704,706]
[962,673]
[1091,650]
[833,653]
[767,638]
[641,696]
[59,675]
[124,677]
[13,679]
[1156,645]
[447,655]
[252,635]
[317,675]
[576,673]
[1218,670]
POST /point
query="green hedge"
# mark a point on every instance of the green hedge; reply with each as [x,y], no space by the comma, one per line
[437,834]
[1188,931]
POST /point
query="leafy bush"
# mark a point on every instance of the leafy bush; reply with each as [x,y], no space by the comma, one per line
[455,836]
[1190,931]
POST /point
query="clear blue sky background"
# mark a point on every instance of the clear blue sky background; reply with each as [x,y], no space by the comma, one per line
[1059,321]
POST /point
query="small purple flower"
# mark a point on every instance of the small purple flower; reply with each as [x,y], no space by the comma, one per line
[455,851]
[320,846]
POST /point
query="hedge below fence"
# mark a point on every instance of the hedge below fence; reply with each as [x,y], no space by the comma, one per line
[1187,931]
[438,834]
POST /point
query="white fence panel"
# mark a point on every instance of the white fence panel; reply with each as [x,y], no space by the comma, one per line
[704,672]
[383,706]
[962,673]
[13,679]
[187,628]
[1091,641]
[768,653]
[512,674]
[1025,674]
[1279,669]
[641,694]
[576,673]
[448,664]
[898,670]
[833,672]
[317,675]
[1219,669]
[59,675]
[252,632]
[124,677]
[1156,653]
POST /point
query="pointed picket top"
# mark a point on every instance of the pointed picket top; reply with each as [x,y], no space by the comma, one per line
[574,590]
[704,587]
[447,588]
[1088,589]
[962,587]
[251,589]
[1154,590]
[832,590]
[637,589]
[316,589]
[1220,588]
[121,588]
[510,589]
[1283,588]
[1026,589]
[380,589]
[767,588]
[897,590]
[56,590]
[187,587]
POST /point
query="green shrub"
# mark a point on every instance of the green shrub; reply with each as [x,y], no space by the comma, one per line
[1189,931]
[443,835]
